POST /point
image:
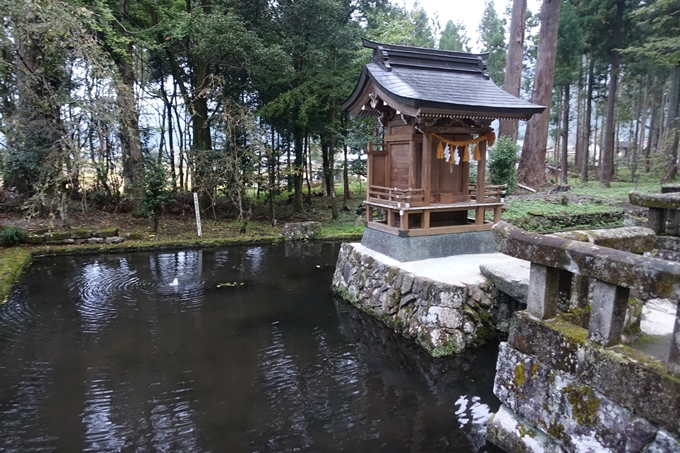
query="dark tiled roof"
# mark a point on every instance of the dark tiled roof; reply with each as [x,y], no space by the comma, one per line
[436,79]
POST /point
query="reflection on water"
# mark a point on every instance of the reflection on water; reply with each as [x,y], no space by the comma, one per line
[105,354]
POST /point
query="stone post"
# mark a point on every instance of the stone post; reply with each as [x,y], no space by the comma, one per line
[674,355]
[608,313]
[543,291]
[656,220]
[579,291]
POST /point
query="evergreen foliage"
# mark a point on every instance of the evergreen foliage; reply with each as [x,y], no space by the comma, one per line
[12,235]
[492,40]
[454,38]
[503,158]
[156,192]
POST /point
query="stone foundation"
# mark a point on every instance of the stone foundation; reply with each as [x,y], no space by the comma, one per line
[425,247]
[443,318]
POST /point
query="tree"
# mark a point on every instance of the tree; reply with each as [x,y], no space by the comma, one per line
[663,47]
[531,169]
[44,77]
[570,45]
[513,66]
[492,40]
[454,38]
[607,168]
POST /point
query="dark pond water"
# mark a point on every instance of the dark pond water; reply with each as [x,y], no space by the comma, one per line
[104,354]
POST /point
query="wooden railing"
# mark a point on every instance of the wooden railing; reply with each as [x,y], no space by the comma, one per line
[375,147]
[492,194]
[397,197]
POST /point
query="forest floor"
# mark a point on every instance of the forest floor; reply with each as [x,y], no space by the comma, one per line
[179,223]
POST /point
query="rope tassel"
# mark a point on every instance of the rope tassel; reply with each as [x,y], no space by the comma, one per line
[489,138]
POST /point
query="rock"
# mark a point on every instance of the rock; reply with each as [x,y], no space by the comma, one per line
[107,233]
[510,278]
[432,312]
[114,240]
[630,220]
[80,233]
[571,411]
[34,239]
[301,231]
[512,433]
[95,241]
[57,236]
[635,239]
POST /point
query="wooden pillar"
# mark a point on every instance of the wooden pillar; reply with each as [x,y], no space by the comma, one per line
[426,219]
[369,213]
[608,313]
[543,291]
[481,172]
[369,171]
[427,171]
[390,218]
[403,220]
[412,177]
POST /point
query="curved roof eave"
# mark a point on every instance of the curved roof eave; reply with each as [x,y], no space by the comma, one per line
[420,103]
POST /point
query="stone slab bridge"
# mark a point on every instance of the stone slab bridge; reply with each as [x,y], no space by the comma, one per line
[566,382]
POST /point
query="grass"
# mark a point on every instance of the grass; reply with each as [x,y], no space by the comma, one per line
[13,261]
[517,209]
[618,192]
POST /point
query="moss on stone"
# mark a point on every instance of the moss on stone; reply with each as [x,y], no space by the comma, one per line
[520,376]
[81,233]
[526,432]
[556,431]
[13,262]
[584,403]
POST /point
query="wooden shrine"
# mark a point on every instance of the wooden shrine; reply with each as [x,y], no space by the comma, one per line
[435,110]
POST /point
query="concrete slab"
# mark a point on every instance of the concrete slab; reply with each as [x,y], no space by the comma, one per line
[658,319]
[453,270]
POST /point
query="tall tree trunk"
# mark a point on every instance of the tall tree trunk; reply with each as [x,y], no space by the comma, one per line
[565,137]
[334,201]
[653,136]
[558,135]
[129,129]
[578,148]
[531,169]
[672,138]
[607,168]
[586,123]
[345,177]
[308,168]
[298,171]
[513,64]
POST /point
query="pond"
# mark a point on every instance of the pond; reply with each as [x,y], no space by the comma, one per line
[247,352]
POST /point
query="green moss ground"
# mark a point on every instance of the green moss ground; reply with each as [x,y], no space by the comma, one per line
[13,262]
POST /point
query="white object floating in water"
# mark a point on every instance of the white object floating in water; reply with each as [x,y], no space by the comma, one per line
[175,282]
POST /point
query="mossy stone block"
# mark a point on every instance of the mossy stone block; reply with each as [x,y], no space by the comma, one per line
[34,239]
[106,233]
[57,236]
[81,233]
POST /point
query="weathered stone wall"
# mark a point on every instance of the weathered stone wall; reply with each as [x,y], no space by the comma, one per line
[443,318]
[563,393]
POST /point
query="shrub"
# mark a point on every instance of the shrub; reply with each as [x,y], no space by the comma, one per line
[156,192]
[503,158]
[12,235]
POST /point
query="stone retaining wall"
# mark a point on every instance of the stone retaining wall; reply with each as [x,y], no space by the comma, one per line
[442,318]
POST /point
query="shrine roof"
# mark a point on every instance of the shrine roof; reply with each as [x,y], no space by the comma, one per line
[430,80]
